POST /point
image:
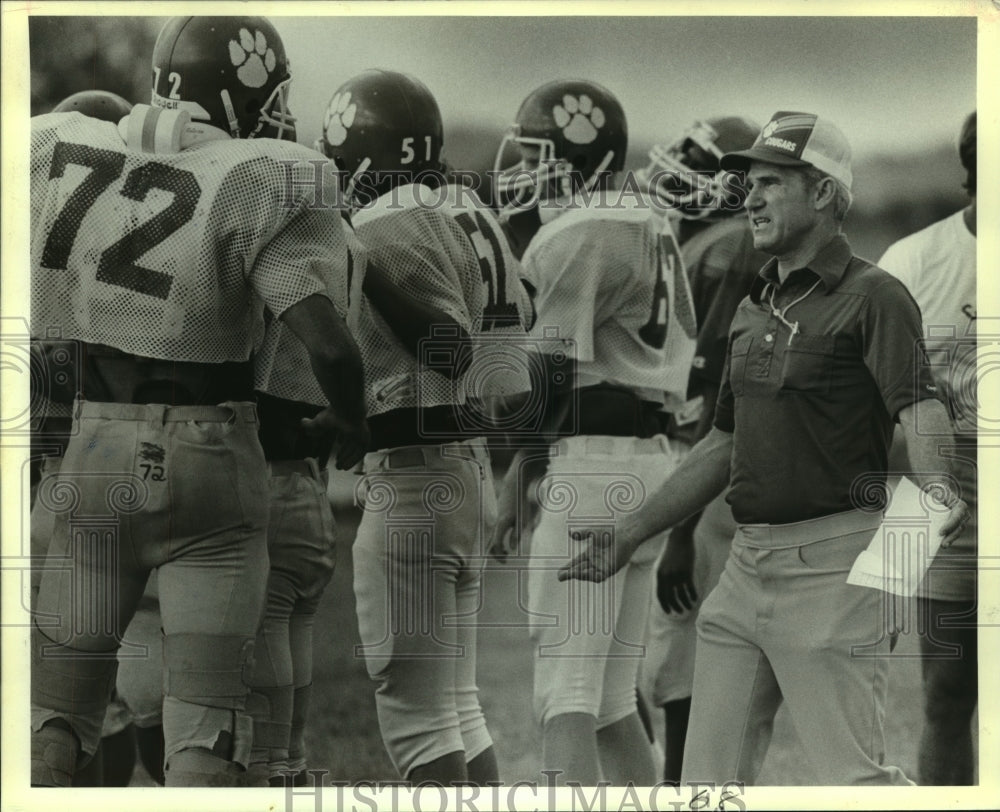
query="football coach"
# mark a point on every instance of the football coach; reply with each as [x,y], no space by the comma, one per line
[825,355]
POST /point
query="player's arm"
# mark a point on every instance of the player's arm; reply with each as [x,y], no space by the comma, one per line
[925,426]
[336,363]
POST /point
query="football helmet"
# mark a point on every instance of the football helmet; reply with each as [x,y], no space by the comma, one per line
[382,129]
[231,72]
[571,133]
[95,104]
[685,175]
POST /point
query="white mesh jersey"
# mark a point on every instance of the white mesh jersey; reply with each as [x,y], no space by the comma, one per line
[610,279]
[938,267]
[171,253]
[281,366]
[445,248]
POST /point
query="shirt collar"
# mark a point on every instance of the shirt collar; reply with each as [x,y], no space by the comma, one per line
[830,265]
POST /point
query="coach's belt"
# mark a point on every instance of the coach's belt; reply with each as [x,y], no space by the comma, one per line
[798,534]
[229,412]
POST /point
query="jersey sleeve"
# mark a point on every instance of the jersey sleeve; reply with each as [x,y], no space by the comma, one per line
[297,261]
[425,274]
[893,346]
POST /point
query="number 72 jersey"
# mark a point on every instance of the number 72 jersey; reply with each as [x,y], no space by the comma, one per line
[172,254]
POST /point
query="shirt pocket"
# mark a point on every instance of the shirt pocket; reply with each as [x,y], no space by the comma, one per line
[738,357]
[808,364]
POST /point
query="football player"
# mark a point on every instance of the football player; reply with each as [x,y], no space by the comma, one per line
[612,296]
[442,296]
[157,244]
[721,262]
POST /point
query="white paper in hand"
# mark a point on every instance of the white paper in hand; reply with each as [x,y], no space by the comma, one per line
[898,556]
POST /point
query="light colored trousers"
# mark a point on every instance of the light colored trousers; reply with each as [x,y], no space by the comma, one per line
[418,560]
[590,638]
[783,623]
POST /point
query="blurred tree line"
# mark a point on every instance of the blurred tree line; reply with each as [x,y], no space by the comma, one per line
[69,54]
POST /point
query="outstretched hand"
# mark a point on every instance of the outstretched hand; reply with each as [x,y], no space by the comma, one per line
[351,438]
[602,558]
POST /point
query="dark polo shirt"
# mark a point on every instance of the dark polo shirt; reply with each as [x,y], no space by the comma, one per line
[721,264]
[812,420]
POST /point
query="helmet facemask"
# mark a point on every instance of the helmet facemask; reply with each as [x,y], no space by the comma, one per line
[274,113]
[547,178]
[685,175]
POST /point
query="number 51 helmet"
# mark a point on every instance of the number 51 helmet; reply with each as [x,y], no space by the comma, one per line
[229,71]
[685,174]
[580,134]
[383,128]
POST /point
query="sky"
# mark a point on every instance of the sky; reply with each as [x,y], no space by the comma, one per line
[891,83]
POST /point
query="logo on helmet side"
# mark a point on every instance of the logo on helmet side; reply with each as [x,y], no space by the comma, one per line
[339,118]
[252,58]
[579,119]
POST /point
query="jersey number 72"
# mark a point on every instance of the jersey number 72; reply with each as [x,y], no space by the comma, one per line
[117,262]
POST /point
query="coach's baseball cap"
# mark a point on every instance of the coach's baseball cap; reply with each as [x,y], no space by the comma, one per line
[798,139]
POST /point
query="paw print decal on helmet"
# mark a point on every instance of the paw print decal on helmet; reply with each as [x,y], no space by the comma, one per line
[252,58]
[339,118]
[578,119]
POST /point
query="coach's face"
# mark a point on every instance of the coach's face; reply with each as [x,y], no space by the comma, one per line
[780,206]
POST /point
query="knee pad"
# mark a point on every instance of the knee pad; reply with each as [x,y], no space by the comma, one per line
[197,767]
[208,669]
[54,754]
[69,680]
[224,733]
[271,711]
